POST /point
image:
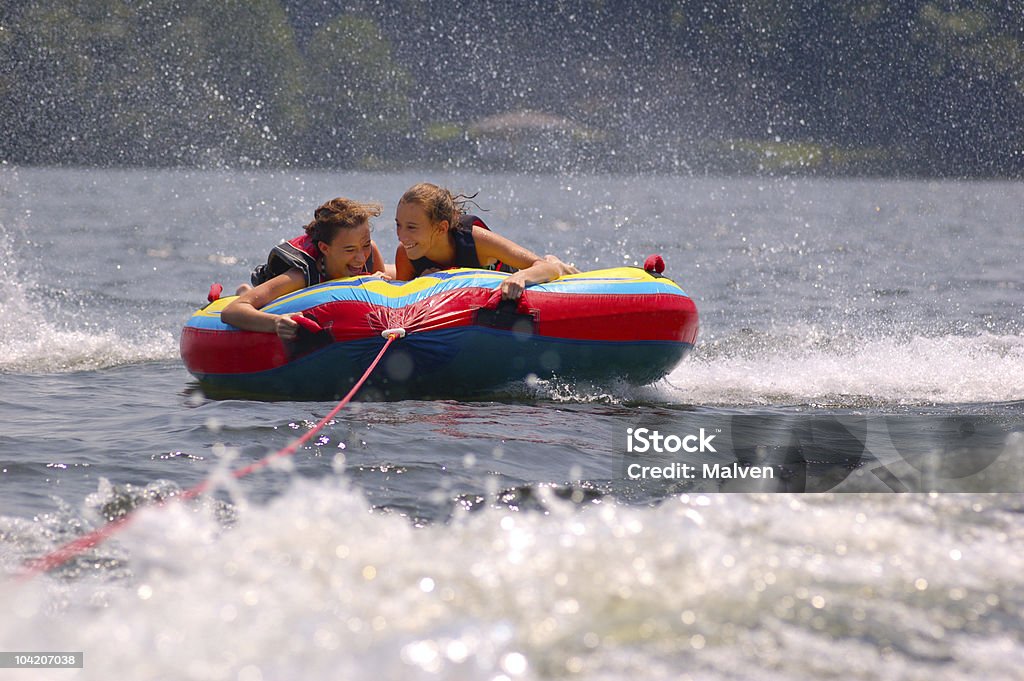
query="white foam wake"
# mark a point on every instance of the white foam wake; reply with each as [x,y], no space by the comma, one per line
[33,341]
[314,586]
[947,369]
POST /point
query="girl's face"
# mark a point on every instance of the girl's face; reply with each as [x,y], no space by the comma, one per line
[347,253]
[415,231]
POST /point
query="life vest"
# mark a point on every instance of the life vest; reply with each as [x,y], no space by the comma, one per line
[302,254]
[465,249]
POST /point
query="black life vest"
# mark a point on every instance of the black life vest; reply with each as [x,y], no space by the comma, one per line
[302,254]
[465,249]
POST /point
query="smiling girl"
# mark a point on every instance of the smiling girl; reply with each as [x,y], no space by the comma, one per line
[336,244]
[435,232]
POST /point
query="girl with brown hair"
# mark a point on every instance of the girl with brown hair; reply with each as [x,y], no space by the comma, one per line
[336,244]
[435,232]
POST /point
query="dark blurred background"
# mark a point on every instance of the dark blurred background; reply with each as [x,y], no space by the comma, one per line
[843,87]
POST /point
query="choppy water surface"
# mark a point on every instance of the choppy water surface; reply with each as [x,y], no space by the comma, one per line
[859,336]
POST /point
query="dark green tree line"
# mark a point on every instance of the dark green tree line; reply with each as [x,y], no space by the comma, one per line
[912,86]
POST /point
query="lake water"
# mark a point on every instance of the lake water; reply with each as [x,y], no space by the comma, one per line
[860,337]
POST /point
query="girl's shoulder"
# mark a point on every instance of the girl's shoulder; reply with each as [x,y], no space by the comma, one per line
[468,222]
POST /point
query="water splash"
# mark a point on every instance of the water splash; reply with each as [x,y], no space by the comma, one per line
[42,330]
[768,369]
[725,585]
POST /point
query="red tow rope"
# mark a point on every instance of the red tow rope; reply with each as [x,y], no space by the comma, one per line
[85,542]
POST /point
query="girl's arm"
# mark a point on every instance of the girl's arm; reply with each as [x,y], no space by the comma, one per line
[532,268]
[563,268]
[244,312]
[404,270]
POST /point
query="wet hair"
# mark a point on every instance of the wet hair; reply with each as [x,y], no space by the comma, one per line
[439,203]
[339,214]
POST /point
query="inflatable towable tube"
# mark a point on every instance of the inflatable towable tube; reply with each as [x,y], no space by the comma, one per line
[624,323]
